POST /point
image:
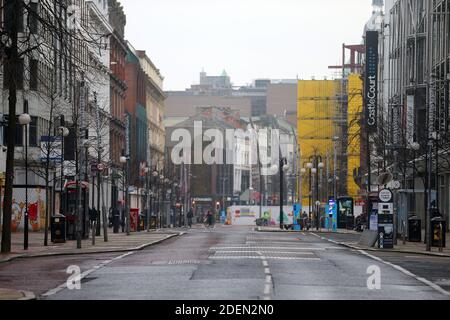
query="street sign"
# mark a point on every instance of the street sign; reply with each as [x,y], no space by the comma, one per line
[51,145]
[386,195]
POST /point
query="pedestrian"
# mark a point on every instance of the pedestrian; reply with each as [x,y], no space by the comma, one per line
[209,218]
[190,215]
[110,217]
[122,218]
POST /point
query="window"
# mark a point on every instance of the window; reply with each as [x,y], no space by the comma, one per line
[33,132]
[33,17]
[18,135]
[34,69]
[9,14]
[15,74]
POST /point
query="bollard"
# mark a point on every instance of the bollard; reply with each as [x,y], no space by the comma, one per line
[94,231]
[441,237]
[404,232]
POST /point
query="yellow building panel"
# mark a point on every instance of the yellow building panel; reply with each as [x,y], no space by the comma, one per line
[355,108]
[316,109]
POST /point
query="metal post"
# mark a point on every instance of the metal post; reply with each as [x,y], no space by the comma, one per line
[281,193]
[81,135]
[25,234]
[147,200]
[62,172]
[441,237]
[310,193]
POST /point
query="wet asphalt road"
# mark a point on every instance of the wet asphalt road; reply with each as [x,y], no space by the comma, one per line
[237,263]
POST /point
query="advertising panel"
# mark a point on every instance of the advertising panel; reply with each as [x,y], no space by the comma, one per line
[371,81]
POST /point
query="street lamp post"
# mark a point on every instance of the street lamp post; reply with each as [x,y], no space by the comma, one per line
[155,175]
[282,168]
[125,161]
[64,132]
[310,167]
[25,120]
[320,165]
[160,199]
[416,147]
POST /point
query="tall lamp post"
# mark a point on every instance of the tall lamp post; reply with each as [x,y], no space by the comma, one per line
[147,191]
[25,120]
[165,201]
[282,168]
[415,147]
[161,199]
[320,165]
[64,133]
[310,167]
[124,160]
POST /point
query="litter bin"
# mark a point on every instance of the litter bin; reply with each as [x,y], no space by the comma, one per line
[153,221]
[116,222]
[58,228]
[436,231]
[414,229]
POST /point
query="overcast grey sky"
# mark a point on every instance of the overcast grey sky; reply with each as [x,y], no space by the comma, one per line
[250,39]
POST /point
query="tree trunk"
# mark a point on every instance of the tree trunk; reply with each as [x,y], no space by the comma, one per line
[12,61]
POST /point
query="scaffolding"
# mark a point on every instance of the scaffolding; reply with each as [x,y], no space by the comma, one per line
[316,117]
[347,130]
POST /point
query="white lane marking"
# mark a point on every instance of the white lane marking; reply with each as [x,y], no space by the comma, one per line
[268,258]
[85,274]
[267,289]
[269,283]
[266,252]
[277,248]
[408,273]
[403,270]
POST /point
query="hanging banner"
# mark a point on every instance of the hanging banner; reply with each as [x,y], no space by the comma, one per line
[371,81]
[432,108]
[410,120]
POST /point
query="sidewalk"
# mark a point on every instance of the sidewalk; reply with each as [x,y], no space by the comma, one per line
[277,229]
[9,294]
[408,247]
[116,243]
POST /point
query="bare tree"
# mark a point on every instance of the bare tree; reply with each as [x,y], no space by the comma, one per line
[57,34]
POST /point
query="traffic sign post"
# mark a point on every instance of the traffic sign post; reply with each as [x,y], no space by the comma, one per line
[386,228]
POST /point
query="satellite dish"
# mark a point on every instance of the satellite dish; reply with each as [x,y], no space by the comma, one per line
[385,178]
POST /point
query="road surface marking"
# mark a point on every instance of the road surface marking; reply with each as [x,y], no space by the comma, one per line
[267,290]
[408,273]
[269,283]
[277,248]
[268,258]
[266,252]
[403,270]
[85,274]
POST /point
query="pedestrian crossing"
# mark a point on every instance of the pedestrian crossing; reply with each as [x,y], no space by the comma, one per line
[271,248]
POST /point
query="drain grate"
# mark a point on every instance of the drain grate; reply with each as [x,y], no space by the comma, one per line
[178,262]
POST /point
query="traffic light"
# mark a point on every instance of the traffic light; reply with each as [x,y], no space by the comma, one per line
[217,205]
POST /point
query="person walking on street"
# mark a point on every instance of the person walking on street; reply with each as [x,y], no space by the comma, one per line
[209,218]
[190,215]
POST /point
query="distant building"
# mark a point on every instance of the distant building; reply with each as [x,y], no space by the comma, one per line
[264,96]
